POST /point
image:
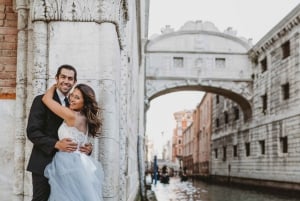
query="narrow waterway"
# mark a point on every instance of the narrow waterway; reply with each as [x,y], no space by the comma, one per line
[201,191]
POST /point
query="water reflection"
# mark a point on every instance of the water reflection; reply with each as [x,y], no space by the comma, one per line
[200,191]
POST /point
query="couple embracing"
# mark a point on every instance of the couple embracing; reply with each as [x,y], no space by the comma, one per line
[61,124]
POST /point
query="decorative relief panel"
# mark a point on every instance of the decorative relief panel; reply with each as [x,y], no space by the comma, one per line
[82,10]
[78,10]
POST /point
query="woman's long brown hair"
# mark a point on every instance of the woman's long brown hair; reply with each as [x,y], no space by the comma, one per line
[90,109]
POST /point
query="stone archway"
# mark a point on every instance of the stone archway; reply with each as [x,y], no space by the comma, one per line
[200,57]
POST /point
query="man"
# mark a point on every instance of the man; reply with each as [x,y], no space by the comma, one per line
[42,132]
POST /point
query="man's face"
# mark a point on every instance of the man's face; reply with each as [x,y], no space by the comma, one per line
[65,81]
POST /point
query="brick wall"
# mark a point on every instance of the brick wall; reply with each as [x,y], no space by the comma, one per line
[8,49]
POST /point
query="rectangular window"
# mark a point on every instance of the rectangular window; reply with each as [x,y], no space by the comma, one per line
[236,113]
[263,64]
[285,88]
[220,62]
[216,153]
[284,144]
[264,103]
[285,47]
[226,117]
[247,148]
[217,99]
[217,122]
[262,147]
[234,150]
[224,153]
[178,62]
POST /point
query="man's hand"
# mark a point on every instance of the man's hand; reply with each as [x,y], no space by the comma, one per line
[66,145]
[86,148]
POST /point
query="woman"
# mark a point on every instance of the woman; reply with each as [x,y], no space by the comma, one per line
[75,176]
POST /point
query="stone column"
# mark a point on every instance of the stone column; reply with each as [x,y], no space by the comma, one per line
[124,90]
[109,102]
[40,57]
[37,82]
[20,112]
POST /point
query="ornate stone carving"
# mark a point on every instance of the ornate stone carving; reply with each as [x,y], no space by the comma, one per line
[83,10]
[38,10]
[80,10]
[99,11]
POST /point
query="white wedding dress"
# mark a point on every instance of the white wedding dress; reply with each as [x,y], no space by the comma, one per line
[74,176]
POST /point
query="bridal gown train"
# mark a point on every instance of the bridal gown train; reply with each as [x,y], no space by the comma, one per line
[74,176]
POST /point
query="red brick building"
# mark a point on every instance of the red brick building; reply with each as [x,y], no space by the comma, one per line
[8,49]
[183,120]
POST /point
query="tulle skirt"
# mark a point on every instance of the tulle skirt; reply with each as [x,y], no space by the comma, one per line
[75,177]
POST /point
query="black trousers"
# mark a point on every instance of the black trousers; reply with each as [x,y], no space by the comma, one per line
[41,187]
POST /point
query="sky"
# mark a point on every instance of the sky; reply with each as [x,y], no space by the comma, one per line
[251,19]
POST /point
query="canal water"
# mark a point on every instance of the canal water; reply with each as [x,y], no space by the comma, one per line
[201,191]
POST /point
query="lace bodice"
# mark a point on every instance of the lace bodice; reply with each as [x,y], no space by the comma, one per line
[66,131]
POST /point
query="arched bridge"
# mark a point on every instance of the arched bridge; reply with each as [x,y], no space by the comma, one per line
[200,57]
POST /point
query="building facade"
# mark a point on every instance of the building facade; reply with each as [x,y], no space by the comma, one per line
[183,120]
[203,131]
[264,150]
[188,149]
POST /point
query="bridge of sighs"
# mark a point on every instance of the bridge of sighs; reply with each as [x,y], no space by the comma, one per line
[200,57]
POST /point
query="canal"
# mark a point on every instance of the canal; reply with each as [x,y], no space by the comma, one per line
[202,191]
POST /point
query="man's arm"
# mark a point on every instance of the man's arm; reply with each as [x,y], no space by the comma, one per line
[36,127]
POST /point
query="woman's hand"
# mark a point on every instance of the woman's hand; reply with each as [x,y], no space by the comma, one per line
[86,148]
[66,145]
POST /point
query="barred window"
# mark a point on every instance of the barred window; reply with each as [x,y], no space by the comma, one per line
[220,62]
[178,62]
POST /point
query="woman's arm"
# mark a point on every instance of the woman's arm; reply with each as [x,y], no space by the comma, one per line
[61,111]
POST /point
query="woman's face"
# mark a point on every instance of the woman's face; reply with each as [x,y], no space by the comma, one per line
[76,100]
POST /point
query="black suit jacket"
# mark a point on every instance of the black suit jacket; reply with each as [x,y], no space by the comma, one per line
[41,130]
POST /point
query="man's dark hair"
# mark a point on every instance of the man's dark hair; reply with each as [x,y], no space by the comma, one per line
[69,67]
